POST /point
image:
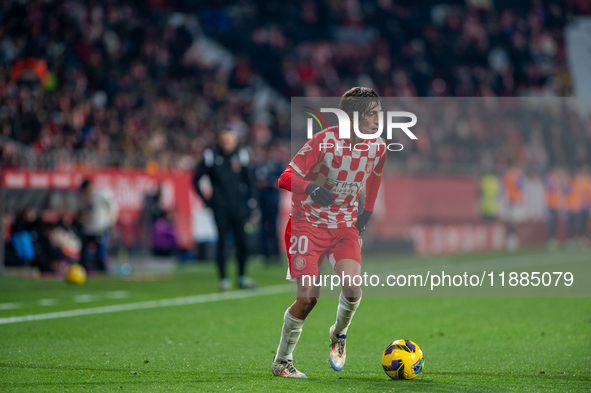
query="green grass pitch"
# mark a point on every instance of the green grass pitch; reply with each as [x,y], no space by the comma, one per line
[470,344]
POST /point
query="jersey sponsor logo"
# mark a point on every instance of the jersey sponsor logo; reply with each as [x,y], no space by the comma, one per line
[299,262]
[369,167]
[343,187]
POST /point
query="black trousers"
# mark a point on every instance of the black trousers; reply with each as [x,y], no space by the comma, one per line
[230,221]
[94,246]
[269,240]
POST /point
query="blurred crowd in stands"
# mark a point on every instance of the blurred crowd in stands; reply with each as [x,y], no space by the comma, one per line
[403,48]
[476,136]
[117,80]
[117,77]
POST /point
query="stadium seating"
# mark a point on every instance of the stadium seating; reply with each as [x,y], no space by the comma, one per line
[135,84]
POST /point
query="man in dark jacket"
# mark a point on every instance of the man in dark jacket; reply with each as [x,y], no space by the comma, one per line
[231,200]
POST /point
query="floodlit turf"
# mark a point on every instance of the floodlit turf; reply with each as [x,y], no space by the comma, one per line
[470,344]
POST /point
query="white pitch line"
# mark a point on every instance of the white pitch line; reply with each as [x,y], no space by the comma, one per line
[9,306]
[117,294]
[85,298]
[48,302]
[179,301]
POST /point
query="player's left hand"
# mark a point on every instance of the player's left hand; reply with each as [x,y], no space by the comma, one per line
[320,195]
[362,220]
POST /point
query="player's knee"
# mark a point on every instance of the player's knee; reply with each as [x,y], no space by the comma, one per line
[352,294]
[307,303]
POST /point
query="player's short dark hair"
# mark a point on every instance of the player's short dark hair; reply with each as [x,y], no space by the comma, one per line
[359,99]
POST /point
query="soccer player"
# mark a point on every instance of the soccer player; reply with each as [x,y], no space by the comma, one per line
[326,177]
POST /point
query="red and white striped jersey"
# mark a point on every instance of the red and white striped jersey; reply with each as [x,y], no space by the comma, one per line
[335,164]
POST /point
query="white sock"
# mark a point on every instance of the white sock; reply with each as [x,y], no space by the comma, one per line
[345,314]
[290,334]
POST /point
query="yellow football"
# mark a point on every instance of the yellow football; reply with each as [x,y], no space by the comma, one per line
[403,359]
[76,274]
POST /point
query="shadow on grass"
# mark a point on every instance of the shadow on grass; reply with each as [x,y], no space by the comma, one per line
[60,368]
[97,384]
[68,368]
[361,384]
[533,374]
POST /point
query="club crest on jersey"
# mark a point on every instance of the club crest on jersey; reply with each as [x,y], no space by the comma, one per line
[299,263]
[369,167]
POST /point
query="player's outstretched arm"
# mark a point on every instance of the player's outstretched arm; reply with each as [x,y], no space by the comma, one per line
[292,178]
[372,187]
[291,181]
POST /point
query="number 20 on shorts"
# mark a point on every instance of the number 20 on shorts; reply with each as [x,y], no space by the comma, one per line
[300,242]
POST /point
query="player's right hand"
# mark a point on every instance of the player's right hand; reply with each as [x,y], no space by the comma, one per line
[320,195]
